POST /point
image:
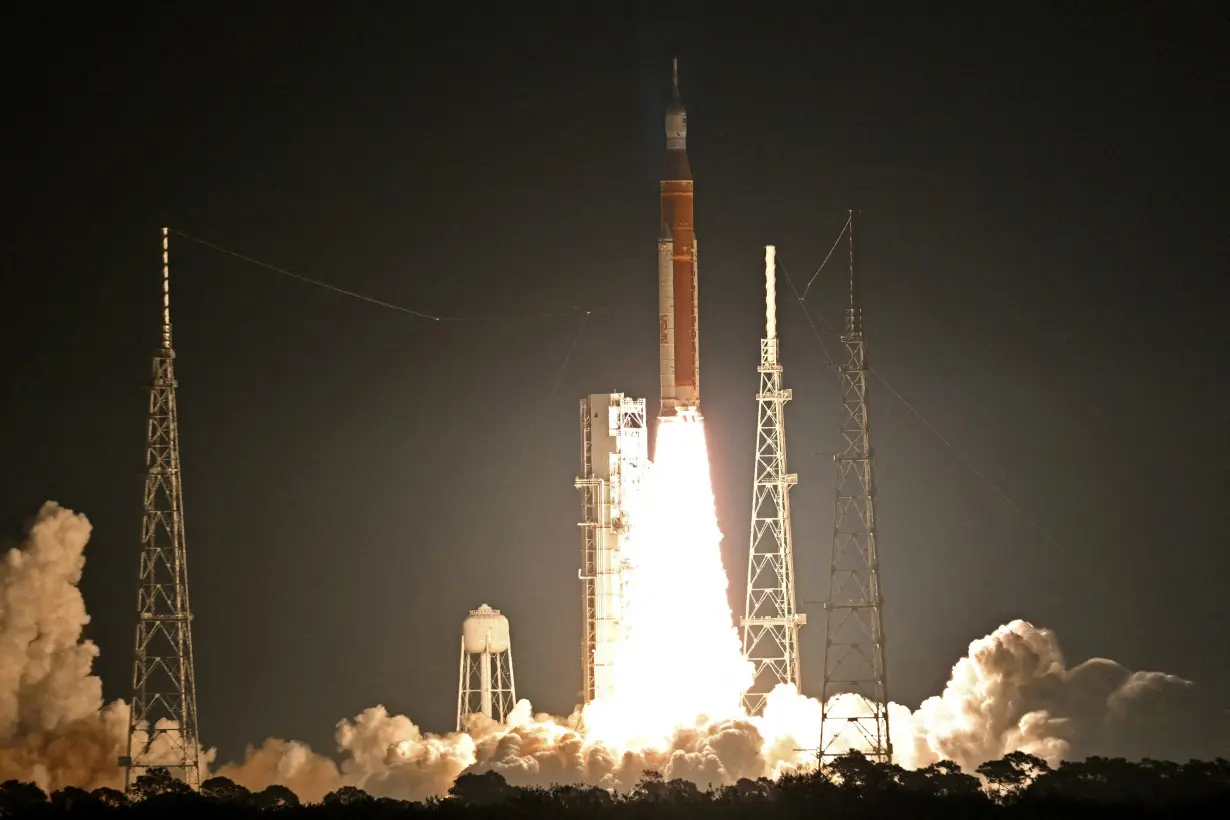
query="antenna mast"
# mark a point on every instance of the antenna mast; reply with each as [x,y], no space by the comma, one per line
[771,621]
[854,714]
[162,725]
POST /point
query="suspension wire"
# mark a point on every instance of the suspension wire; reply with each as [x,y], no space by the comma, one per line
[965,461]
[836,241]
[828,360]
[969,465]
[563,368]
[250,260]
[533,404]
[799,297]
[573,311]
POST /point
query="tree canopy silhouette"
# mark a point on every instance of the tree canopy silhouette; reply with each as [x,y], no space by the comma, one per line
[852,787]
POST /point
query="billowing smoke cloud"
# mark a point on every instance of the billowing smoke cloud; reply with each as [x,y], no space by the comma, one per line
[1012,692]
[54,730]
[287,763]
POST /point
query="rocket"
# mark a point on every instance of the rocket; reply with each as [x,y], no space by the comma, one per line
[677,289]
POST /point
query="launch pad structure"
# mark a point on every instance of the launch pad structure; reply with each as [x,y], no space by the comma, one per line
[162,724]
[614,457]
[771,619]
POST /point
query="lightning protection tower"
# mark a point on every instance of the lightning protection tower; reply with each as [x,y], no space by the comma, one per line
[162,725]
[614,455]
[486,685]
[771,621]
[854,645]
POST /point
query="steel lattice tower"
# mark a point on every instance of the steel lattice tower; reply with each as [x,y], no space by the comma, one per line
[854,645]
[162,726]
[771,621]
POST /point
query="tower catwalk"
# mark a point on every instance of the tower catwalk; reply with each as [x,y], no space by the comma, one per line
[854,645]
[162,726]
[771,621]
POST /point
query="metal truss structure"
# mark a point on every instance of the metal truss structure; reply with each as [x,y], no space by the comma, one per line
[162,727]
[771,620]
[854,645]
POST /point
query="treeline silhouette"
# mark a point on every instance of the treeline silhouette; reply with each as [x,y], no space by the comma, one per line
[1019,785]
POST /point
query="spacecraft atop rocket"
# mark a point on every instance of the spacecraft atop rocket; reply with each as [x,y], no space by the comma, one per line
[677,290]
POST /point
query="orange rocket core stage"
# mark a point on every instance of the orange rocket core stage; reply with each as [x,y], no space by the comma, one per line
[677,290]
[677,211]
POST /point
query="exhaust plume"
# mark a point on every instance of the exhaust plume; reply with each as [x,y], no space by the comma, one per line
[1013,691]
[676,576]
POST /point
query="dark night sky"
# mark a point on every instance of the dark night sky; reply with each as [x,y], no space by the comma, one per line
[1045,201]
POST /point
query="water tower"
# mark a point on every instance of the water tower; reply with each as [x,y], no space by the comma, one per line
[486,684]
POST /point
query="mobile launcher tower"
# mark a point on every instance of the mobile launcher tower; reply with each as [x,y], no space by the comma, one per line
[614,457]
[486,685]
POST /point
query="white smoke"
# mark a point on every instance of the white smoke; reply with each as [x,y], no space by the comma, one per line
[54,730]
[1012,692]
[286,763]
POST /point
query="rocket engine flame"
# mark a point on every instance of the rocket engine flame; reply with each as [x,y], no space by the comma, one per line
[676,577]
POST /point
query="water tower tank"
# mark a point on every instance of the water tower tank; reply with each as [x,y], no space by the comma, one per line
[485,630]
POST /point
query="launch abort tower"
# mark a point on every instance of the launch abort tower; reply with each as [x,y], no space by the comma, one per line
[677,288]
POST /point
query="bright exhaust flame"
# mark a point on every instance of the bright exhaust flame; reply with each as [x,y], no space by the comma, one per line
[680,663]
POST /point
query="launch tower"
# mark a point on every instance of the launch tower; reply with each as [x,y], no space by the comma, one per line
[854,646]
[678,313]
[486,685]
[771,621]
[162,725]
[614,455]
